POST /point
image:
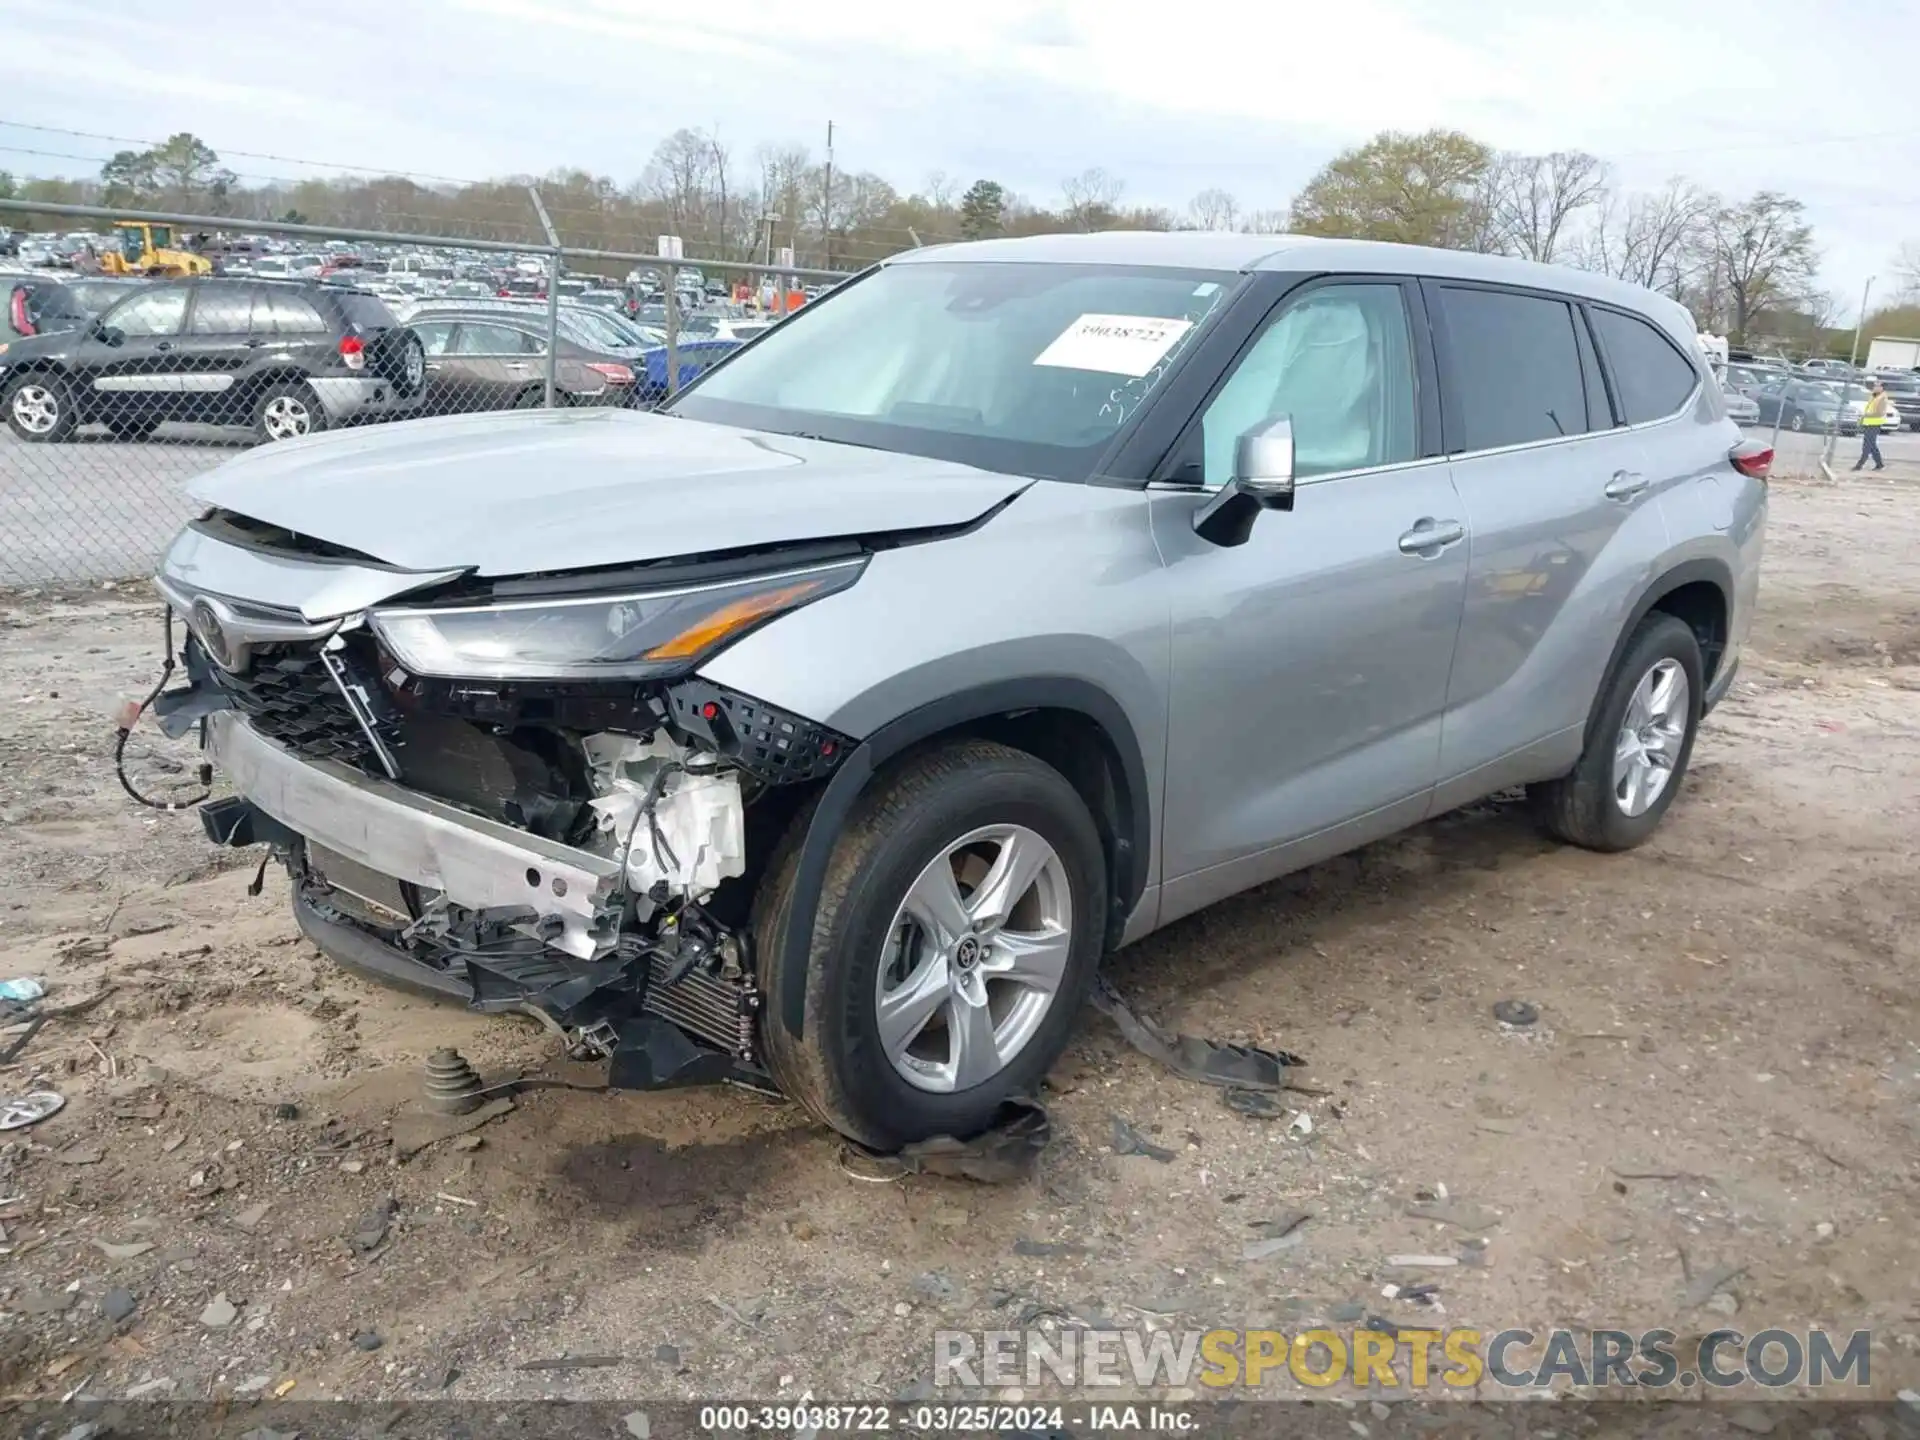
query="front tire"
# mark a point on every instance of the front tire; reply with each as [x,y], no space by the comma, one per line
[40,408]
[1638,743]
[958,928]
[287,412]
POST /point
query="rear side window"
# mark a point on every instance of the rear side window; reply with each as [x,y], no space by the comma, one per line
[480,339]
[287,312]
[1651,376]
[1514,373]
[222,310]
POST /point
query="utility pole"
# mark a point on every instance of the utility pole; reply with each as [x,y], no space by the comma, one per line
[1853,359]
[826,203]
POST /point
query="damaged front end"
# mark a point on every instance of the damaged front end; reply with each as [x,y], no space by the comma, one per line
[519,794]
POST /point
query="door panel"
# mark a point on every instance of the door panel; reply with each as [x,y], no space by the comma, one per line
[214,350]
[1553,484]
[140,374]
[1309,671]
[1310,663]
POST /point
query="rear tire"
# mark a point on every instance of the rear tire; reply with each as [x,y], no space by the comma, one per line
[40,408]
[287,411]
[1596,805]
[863,1079]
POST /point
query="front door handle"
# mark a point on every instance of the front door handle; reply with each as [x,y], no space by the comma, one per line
[163,345]
[1625,485]
[1429,537]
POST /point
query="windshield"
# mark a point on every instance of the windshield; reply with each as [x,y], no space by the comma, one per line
[1027,368]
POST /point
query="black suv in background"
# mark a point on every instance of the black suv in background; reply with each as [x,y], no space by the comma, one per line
[287,358]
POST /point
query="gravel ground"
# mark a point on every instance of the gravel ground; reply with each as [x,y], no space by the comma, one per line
[1723,1081]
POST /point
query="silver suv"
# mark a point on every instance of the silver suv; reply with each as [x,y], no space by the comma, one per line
[825,728]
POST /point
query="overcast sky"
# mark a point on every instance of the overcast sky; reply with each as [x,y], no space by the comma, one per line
[1173,98]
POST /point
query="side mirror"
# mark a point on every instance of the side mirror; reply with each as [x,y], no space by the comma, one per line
[1262,480]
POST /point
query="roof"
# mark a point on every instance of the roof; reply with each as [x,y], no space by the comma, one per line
[1213,250]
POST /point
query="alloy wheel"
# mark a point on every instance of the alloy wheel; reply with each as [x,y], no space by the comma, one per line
[286,418]
[975,955]
[1651,736]
[36,409]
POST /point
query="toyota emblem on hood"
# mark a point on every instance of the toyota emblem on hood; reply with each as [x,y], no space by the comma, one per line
[211,631]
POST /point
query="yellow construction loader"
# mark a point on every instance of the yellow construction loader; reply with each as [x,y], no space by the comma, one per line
[148,250]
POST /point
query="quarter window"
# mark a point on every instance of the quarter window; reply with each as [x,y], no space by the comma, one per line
[287,312]
[1514,374]
[1338,363]
[433,337]
[1650,374]
[155,312]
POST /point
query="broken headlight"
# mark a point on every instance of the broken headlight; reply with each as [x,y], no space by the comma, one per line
[626,635]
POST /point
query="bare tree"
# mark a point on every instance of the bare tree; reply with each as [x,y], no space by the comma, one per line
[1656,239]
[1214,209]
[1764,248]
[1906,269]
[1091,197]
[1532,200]
[940,189]
[1264,222]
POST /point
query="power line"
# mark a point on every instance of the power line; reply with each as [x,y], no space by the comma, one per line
[243,154]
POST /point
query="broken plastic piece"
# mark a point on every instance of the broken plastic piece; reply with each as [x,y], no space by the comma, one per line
[1236,1067]
[24,988]
[1004,1153]
[29,1109]
[691,837]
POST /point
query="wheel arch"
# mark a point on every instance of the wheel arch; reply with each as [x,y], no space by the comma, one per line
[1698,592]
[1067,722]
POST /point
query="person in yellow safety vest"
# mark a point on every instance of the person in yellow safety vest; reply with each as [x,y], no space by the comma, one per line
[1871,419]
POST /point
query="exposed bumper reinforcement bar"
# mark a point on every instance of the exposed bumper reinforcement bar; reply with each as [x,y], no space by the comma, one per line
[478,863]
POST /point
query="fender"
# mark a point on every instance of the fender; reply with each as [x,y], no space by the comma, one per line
[1715,572]
[1002,697]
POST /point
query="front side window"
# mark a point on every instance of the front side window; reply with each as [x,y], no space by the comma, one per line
[152,312]
[1514,375]
[1651,375]
[1024,367]
[1338,363]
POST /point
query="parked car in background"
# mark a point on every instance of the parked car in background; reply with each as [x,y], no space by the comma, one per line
[694,358]
[38,303]
[1741,409]
[287,358]
[1748,379]
[496,360]
[1799,404]
[1903,388]
[1823,368]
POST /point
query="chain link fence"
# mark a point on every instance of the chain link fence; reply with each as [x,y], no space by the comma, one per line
[161,345]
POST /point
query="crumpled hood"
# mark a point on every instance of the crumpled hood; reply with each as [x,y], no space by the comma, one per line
[515,492]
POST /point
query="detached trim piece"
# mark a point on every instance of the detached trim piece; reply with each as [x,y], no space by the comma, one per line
[479,863]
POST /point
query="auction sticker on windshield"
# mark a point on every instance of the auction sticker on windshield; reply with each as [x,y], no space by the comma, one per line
[1114,344]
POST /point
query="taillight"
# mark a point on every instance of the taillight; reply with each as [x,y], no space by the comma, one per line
[1752,458]
[17,312]
[614,374]
[353,352]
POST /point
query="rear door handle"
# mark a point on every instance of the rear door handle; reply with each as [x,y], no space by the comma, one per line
[1429,537]
[1625,485]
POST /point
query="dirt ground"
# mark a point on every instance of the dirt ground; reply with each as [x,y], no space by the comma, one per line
[1716,1113]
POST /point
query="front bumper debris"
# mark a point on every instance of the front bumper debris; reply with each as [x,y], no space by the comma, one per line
[477,862]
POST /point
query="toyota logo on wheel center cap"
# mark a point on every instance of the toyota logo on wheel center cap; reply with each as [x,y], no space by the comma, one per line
[967,953]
